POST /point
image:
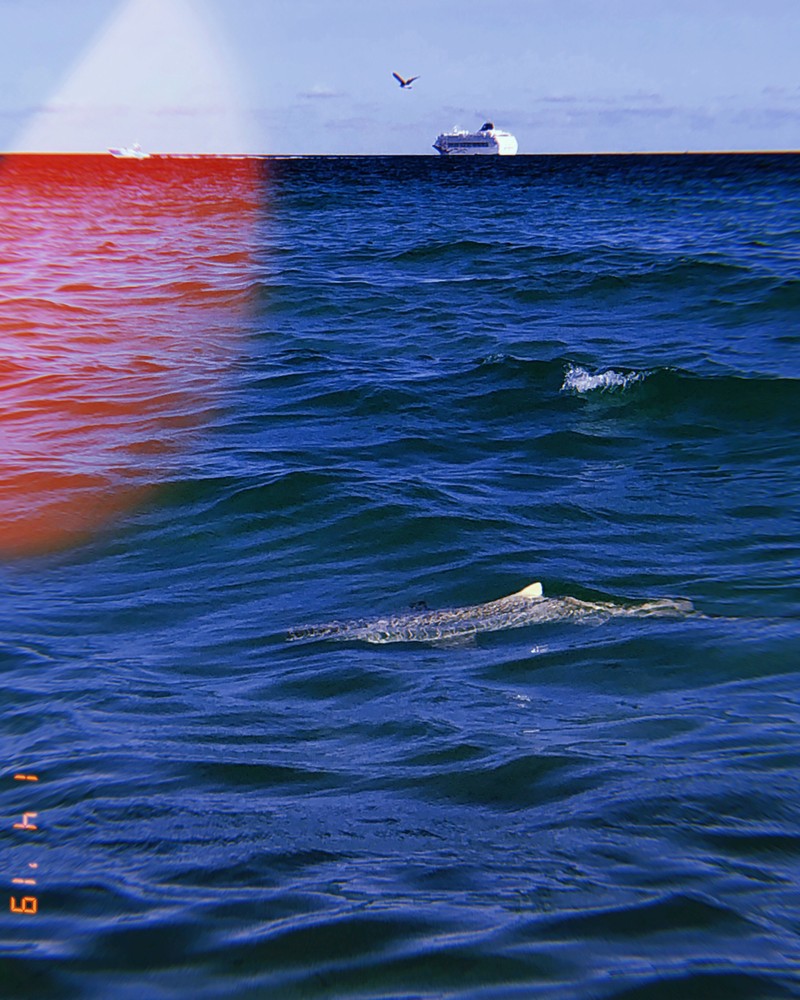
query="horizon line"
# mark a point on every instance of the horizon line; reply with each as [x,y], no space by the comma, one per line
[301,156]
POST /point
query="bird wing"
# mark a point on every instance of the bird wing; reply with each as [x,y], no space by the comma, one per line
[412,79]
[399,79]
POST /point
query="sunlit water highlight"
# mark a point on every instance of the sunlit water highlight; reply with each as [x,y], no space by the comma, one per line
[241,396]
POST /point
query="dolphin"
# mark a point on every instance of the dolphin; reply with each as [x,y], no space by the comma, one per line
[528,606]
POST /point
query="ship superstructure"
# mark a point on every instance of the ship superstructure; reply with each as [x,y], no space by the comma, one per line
[487,141]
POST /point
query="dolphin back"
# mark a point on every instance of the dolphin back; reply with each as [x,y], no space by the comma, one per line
[431,626]
[526,607]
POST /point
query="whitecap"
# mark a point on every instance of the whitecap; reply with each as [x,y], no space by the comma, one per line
[577,379]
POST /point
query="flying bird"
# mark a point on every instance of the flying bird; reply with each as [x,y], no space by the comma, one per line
[404,83]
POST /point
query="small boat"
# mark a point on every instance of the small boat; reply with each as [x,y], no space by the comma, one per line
[487,141]
[134,152]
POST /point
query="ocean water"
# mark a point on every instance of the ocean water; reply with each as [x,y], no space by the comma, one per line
[243,396]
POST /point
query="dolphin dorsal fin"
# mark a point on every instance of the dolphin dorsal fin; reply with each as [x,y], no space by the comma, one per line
[532,590]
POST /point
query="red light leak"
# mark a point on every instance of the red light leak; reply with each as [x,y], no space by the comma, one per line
[121,285]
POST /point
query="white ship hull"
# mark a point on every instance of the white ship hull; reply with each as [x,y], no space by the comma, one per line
[488,141]
[134,152]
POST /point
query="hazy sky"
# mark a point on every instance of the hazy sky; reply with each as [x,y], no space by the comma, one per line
[314,76]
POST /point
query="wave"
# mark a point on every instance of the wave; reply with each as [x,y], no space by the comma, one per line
[726,400]
[346,435]
[581,381]
[500,390]
[444,250]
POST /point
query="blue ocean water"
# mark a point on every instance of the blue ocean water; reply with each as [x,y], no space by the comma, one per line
[388,383]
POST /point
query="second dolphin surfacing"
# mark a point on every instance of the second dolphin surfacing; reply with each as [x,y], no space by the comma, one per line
[526,607]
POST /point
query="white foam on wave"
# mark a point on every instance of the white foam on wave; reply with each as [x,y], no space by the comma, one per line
[577,379]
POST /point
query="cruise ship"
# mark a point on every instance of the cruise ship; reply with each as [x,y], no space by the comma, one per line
[487,141]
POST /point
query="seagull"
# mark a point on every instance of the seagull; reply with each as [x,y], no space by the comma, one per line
[404,83]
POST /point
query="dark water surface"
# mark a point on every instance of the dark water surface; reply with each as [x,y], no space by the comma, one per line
[241,396]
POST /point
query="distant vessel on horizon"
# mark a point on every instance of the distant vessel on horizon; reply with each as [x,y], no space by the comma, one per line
[487,141]
[134,152]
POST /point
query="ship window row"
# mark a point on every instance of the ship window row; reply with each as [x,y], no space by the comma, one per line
[482,145]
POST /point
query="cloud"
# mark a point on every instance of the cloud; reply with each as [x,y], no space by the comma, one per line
[191,112]
[62,108]
[96,109]
[766,117]
[573,99]
[790,93]
[622,114]
[640,97]
[318,92]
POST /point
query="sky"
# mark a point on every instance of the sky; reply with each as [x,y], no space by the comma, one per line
[302,77]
